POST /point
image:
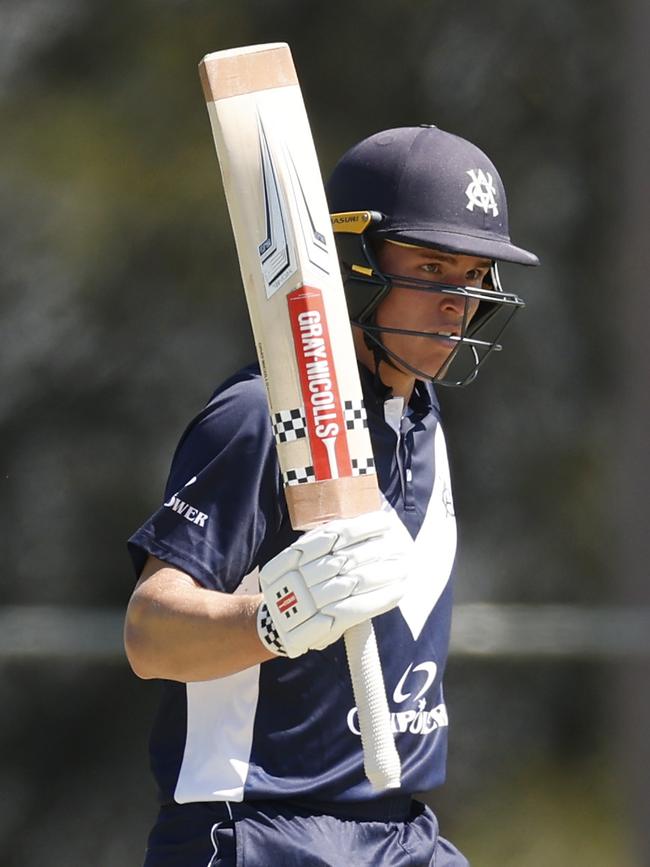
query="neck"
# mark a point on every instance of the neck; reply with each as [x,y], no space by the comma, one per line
[400,382]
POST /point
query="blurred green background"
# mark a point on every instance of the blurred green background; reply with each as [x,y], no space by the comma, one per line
[122,310]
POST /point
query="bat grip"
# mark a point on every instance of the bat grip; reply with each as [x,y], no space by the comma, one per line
[380,758]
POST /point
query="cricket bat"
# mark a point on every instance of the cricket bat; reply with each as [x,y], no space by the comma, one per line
[299,318]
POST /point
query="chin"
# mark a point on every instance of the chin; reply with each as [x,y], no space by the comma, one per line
[433,366]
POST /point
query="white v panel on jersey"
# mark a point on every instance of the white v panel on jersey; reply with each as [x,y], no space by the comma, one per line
[220,720]
[434,548]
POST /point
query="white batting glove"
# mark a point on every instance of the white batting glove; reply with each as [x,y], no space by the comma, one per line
[328,580]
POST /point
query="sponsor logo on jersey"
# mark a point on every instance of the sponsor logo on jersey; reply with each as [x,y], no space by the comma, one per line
[429,668]
[448,501]
[185,510]
[323,407]
[411,688]
[481,192]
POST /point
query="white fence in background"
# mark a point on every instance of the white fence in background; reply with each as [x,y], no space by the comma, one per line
[479,630]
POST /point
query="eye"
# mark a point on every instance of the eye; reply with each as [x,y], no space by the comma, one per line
[431,268]
[476,274]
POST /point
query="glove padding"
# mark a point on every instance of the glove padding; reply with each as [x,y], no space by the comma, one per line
[330,579]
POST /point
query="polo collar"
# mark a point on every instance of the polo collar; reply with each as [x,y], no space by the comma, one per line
[423,400]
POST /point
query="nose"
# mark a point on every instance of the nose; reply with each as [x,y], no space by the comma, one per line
[458,307]
[453,303]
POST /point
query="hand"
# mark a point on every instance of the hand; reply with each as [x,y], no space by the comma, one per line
[328,580]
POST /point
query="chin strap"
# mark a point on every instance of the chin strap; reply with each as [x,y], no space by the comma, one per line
[379,355]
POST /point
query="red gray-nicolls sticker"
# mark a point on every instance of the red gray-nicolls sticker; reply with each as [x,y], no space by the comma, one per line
[322,402]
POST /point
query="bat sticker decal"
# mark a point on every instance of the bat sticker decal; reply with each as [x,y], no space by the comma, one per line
[275,259]
[320,391]
[315,242]
[289,425]
[299,476]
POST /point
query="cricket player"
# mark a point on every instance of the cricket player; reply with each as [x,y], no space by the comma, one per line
[256,747]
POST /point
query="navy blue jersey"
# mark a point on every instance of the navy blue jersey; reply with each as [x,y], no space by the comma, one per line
[288,728]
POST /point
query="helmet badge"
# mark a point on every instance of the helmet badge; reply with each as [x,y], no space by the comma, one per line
[481,192]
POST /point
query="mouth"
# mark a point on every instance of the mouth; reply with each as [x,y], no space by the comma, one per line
[450,336]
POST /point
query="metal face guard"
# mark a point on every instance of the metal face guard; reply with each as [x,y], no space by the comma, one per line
[496,310]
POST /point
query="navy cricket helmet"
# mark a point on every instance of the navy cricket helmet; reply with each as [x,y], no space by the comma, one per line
[424,187]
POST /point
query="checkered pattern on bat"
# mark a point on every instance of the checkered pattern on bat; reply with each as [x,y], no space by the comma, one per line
[267,631]
[355,414]
[289,425]
[299,476]
[363,466]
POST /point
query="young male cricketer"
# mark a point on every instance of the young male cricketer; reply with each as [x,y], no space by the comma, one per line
[256,747]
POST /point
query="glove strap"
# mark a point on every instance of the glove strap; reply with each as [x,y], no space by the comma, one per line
[267,632]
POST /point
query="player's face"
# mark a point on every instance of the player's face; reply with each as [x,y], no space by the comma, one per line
[431,312]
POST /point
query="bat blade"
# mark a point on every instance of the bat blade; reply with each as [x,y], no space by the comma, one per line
[300,323]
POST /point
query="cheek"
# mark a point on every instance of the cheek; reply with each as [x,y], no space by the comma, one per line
[472,307]
[394,308]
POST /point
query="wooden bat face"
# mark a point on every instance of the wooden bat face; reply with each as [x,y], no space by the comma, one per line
[292,282]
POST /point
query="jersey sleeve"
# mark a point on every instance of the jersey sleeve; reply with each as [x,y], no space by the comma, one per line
[223,498]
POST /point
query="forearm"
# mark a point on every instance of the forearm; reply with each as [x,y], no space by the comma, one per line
[177,630]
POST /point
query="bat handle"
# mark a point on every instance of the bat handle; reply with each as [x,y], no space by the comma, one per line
[380,758]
